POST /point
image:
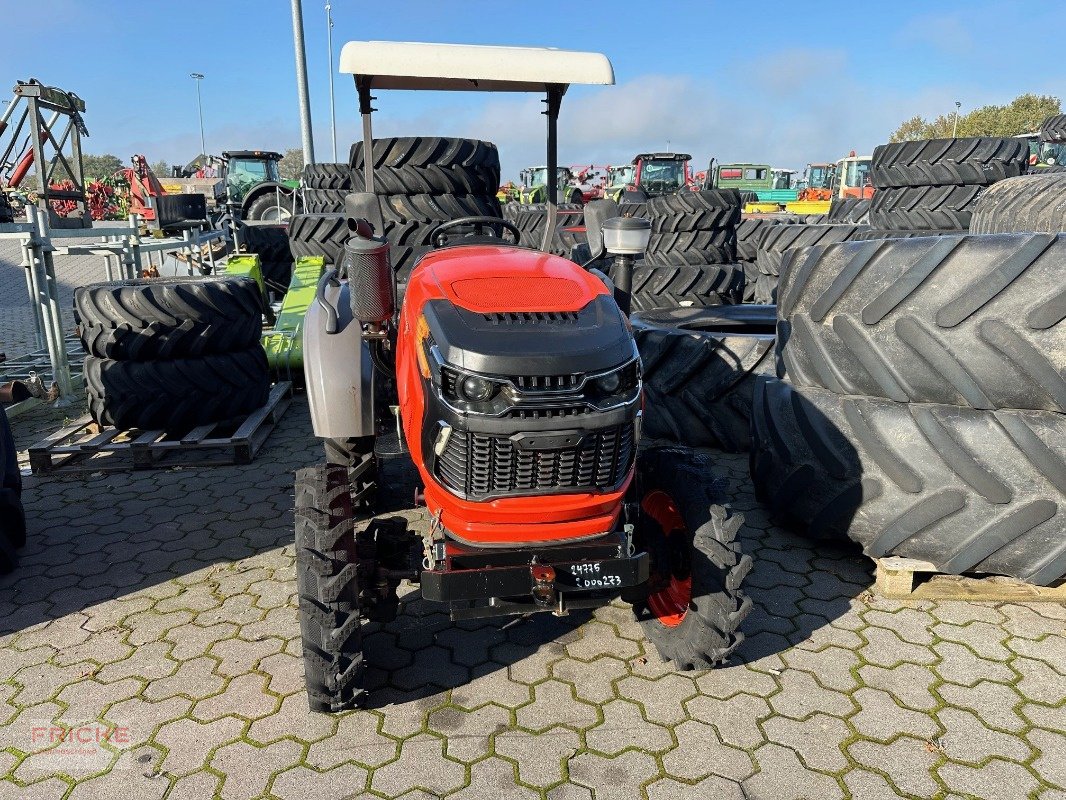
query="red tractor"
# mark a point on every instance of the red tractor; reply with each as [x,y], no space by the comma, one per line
[518,387]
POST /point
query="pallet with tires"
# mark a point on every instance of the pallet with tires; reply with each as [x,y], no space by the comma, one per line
[172,354]
[924,410]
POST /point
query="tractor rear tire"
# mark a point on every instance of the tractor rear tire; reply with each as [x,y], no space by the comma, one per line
[924,207]
[176,396]
[711,209]
[327,177]
[1034,203]
[152,319]
[974,161]
[273,207]
[319,235]
[695,604]
[671,287]
[973,321]
[969,491]
[750,232]
[327,582]
[429,165]
[779,238]
[698,384]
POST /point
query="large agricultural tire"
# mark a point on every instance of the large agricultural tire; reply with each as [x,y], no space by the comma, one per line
[876,233]
[924,207]
[319,235]
[972,321]
[976,161]
[355,454]
[764,290]
[673,287]
[325,201]
[708,210]
[1053,129]
[698,384]
[747,319]
[695,603]
[7,214]
[633,209]
[750,231]
[271,243]
[327,582]
[779,238]
[689,248]
[150,319]
[530,219]
[429,165]
[331,177]
[969,491]
[176,396]
[1035,203]
[850,211]
[275,208]
[411,219]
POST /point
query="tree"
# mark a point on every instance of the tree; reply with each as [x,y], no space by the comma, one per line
[1022,115]
[161,169]
[99,167]
[291,166]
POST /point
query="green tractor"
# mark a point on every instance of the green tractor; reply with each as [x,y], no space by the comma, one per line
[251,178]
[535,186]
[618,178]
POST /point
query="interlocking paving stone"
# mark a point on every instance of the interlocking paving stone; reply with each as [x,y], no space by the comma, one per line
[194,642]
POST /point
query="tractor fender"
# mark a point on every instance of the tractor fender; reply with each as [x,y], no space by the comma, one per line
[338,371]
[257,191]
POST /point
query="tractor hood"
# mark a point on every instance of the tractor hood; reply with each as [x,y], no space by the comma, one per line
[509,311]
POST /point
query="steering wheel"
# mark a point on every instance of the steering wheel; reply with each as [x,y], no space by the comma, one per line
[439,239]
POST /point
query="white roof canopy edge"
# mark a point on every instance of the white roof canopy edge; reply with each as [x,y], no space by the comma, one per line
[465,67]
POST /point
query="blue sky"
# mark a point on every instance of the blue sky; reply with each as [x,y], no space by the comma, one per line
[785,83]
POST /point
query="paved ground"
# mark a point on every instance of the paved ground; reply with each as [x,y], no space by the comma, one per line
[161,605]
[158,609]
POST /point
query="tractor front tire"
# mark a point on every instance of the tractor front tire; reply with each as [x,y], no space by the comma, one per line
[327,580]
[356,454]
[272,207]
[695,604]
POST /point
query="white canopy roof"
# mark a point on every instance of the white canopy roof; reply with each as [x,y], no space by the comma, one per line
[466,67]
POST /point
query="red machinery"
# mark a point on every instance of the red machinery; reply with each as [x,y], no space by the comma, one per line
[144,187]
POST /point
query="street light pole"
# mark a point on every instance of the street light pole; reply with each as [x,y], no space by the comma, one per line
[955,127]
[332,104]
[196,76]
[301,82]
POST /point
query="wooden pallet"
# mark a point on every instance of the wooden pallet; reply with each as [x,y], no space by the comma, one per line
[85,446]
[909,579]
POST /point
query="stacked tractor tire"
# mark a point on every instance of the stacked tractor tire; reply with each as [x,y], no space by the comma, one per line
[778,243]
[920,403]
[172,354]
[271,243]
[532,218]
[12,515]
[422,182]
[691,256]
[931,186]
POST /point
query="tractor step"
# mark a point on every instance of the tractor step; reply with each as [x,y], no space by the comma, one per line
[85,446]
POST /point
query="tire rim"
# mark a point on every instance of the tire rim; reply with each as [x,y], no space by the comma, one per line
[276,214]
[670,601]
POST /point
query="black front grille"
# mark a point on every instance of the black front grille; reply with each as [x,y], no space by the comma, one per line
[477,465]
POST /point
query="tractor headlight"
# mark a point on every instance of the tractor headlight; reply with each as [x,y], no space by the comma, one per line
[608,384]
[477,390]
[621,381]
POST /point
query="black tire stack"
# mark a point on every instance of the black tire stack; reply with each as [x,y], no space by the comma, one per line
[1035,202]
[700,366]
[324,187]
[423,181]
[931,186]
[12,514]
[923,411]
[530,219]
[692,253]
[174,353]
[749,236]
